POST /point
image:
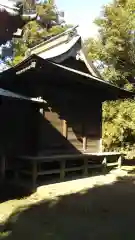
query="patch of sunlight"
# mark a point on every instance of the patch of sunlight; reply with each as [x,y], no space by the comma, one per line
[128,168]
[83,191]
[5,234]
[53,203]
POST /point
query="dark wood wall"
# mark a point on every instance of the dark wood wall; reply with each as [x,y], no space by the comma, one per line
[60,128]
[18,127]
[71,121]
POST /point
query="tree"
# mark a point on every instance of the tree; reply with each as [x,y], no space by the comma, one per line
[119,125]
[37,30]
[115,45]
[114,48]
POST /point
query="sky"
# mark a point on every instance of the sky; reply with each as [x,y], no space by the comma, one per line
[82,13]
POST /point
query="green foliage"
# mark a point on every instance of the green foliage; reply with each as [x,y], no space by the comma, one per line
[119,125]
[34,32]
[115,48]
[57,30]
[17,60]
[46,12]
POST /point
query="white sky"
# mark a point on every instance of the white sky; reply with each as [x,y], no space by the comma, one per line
[82,13]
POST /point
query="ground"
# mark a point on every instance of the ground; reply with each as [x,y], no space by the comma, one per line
[100,207]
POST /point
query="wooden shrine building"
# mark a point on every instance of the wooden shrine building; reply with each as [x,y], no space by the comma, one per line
[68,119]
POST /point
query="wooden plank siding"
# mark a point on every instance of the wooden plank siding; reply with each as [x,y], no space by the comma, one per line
[74,135]
[57,135]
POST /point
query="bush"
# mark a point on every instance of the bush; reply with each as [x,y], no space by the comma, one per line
[119,126]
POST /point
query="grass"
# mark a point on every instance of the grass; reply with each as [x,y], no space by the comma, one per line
[104,211]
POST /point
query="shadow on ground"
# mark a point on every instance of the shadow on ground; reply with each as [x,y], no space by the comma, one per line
[103,212]
[12,190]
[128,162]
[9,192]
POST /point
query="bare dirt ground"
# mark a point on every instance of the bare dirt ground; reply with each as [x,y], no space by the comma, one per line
[100,207]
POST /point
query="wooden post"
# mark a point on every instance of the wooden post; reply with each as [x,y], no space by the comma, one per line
[65,128]
[84,137]
[34,174]
[104,163]
[85,166]
[84,143]
[62,169]
[100,145]
[16,175]
[3,167]
[120,162]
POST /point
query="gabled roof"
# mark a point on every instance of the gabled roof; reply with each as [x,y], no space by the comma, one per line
[49,68]
[63,47]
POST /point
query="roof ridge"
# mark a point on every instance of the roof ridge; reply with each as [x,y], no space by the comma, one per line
[68,31]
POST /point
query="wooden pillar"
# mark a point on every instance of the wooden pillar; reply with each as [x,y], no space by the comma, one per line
[65,130]
[120,162]
[85,166]
[62,169]
[34,174]
[84,137]
[100,145]
[16,175]
[104,163]
[84,144]
[3,167]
